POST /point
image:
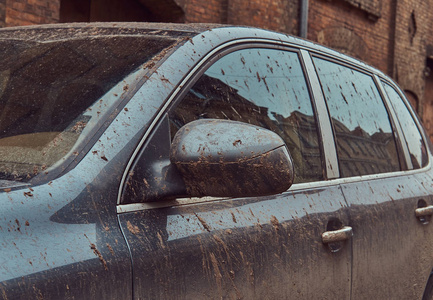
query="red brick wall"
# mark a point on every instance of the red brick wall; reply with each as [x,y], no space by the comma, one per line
[279,15]
[199,11]
[28,12]
[413,30]
[342,26]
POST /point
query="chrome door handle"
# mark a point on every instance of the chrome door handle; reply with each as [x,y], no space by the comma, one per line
[339,235]
[424,211]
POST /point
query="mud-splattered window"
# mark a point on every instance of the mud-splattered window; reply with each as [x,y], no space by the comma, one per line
[414,141]
[53,94]
[363,132]
[264,87]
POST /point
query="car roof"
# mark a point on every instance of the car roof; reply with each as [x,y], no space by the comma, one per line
[62,31]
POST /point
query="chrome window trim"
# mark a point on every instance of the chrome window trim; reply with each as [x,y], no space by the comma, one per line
[129,208]
[180,86]
[397,124]
[324,123]
[125,208]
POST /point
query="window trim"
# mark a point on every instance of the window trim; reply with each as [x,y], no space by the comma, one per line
[326,132]
[319,51]
[266,45]
[399,130]
[415,118]
[394,124]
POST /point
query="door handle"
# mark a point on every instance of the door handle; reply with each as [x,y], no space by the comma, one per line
[424,211]
[339,235]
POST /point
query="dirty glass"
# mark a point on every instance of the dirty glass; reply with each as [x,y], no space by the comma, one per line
[362,128]
[52,92]
[414,141]
[263,87]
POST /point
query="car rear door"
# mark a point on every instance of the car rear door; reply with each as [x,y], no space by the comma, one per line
[391,246]
[253,248]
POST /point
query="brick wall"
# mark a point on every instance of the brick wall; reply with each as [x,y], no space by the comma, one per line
[199,11]
[28,12]
[2,13]
[412,32]
[342,26]
[279,15]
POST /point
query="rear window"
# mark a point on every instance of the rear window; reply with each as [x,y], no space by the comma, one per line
[51,93]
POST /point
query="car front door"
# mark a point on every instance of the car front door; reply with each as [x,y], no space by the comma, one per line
[268,247]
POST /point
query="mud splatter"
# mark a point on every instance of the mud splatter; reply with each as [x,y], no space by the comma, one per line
[217,272]
[203,222]
[275,223]
[233,217]
[28,194]
[110,248]
[161,241]
[99,255]
[132,228]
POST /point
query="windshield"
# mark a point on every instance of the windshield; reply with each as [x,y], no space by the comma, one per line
[52,92]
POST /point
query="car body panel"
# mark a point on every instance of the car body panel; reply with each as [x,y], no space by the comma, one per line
[389,237]
[254,248]
[70,235]
[62,239]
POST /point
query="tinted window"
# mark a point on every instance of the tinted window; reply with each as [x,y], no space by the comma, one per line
[414,141]
[364,138]
[264,87]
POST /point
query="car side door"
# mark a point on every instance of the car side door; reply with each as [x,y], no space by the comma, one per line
[285,246]
[391,247]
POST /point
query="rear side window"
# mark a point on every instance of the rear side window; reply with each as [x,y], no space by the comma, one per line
[413,138]
[364,138]
[264,87]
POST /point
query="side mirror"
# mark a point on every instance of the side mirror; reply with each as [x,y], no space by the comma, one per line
[223,158]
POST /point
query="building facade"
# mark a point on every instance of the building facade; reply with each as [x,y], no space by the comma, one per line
[395,36]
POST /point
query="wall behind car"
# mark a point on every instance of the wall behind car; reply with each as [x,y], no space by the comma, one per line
[396,36]
[28,12]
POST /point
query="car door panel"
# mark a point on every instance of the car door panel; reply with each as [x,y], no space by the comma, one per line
[264,248]
[389,242]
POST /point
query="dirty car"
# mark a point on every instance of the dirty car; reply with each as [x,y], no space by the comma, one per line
[162,161]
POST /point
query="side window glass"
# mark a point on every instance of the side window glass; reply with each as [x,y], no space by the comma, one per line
[362,128]
[414,141]
[264,87]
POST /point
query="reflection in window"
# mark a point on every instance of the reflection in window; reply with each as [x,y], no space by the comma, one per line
[415,144]
[364,138]
[53,91]
[264,87]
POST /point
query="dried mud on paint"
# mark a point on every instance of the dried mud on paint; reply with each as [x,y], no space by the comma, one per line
[132,228]
[217,272]
[275,223]
[203,222]
[97,253]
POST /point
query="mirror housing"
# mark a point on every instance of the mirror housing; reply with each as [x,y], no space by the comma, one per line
[222,158]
